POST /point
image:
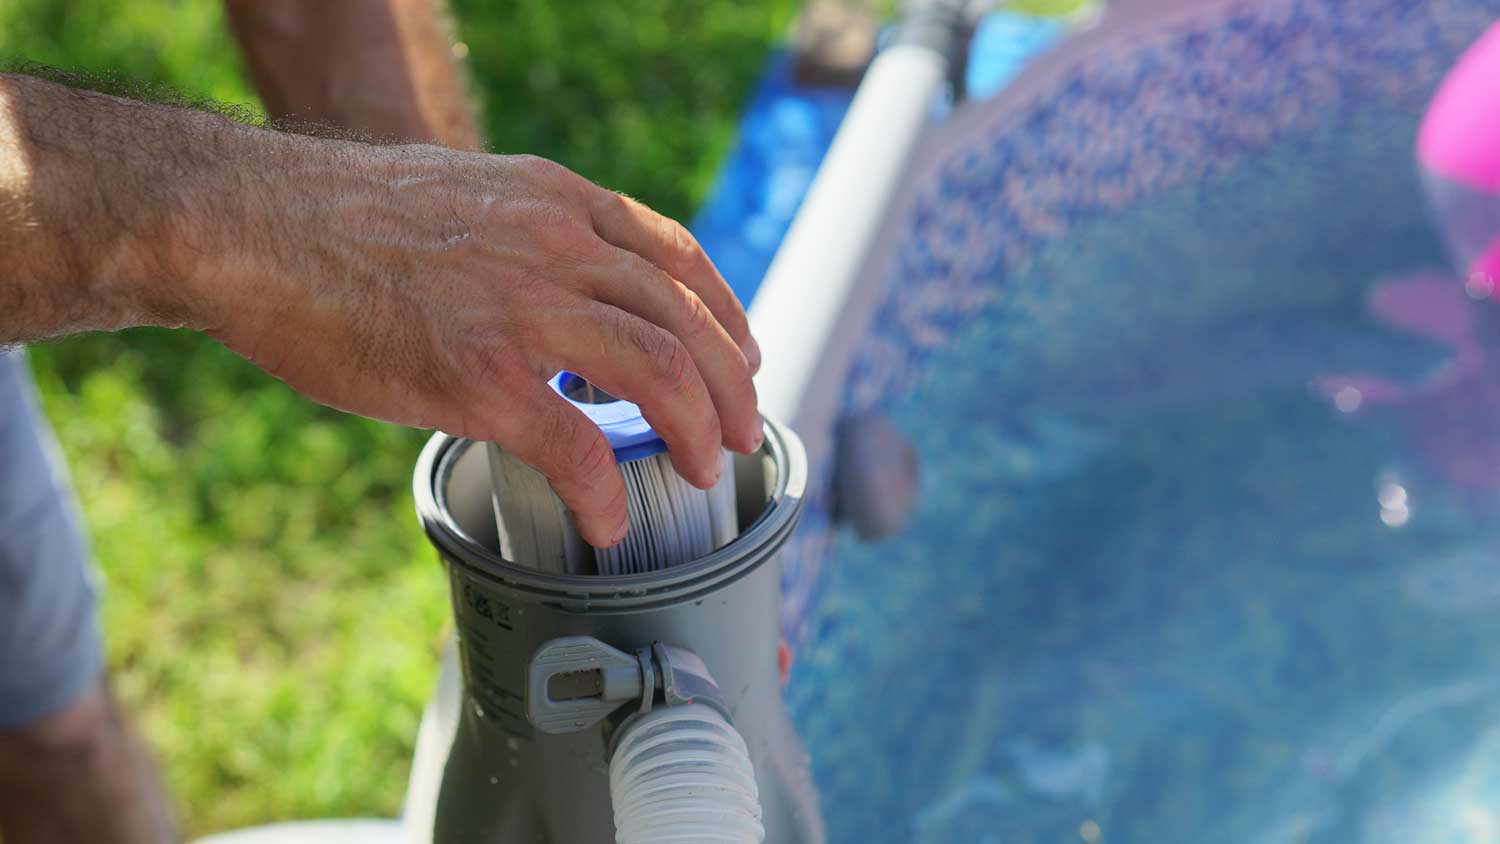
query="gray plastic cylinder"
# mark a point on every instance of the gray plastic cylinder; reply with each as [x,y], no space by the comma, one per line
[506,783]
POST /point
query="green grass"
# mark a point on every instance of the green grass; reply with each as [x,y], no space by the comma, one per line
[273,613]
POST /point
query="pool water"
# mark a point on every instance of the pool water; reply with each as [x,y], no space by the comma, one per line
[1206,547]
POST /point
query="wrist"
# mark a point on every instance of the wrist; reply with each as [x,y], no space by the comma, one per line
[212,257]
[251,234]
[116,213]
[122,201]
[262,245]
[210,232]
[202,262]
[83,203]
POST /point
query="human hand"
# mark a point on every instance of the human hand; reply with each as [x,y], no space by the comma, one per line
[442,289]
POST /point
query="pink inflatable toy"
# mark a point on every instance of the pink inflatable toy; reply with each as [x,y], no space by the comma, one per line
[1459,154]
[1459,151]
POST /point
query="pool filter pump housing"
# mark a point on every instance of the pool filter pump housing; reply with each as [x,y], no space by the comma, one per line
[506,781]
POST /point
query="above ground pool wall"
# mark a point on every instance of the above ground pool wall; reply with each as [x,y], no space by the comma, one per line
[1210,443]
[1156,94]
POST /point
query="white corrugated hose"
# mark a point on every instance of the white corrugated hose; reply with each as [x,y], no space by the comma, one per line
[683,774]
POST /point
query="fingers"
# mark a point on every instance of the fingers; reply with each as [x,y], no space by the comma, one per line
[636,285]
[644,363]
[630,225]
[558,440]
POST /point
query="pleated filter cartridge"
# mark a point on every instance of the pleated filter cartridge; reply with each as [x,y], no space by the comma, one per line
[671,521]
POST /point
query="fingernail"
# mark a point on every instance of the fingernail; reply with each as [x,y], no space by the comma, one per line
[752,440]
[752,354]
[718,470]
[619,535]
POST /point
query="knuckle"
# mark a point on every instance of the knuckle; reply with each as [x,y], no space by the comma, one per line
[556,450]
[686,255]
[588,456]
[559,231]
[548,219]
[502,360]
[698,320]
[539,166]
[557,176]
[605,203]
[744,380]
[668,356]
[617,501]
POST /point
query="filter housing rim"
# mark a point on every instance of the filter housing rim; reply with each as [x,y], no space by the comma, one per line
[599,593]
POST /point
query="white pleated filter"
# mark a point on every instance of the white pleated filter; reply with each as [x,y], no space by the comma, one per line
[671,521]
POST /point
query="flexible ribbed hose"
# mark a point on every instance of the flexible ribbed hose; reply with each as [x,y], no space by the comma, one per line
[683,774]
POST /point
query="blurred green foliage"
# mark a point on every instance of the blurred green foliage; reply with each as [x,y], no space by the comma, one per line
[1052,7]
[640,96]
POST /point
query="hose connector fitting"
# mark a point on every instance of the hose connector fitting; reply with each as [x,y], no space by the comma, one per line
[678,769]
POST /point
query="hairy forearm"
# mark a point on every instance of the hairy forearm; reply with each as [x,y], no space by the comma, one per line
[385,67]
[415,284]
[97,194]
[117,213]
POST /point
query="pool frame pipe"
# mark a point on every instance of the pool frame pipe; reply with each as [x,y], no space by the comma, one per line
[818,294]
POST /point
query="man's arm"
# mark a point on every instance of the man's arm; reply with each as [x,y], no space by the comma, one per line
[385,67]
[415,284]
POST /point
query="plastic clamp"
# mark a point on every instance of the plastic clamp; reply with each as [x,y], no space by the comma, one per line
[618,678]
